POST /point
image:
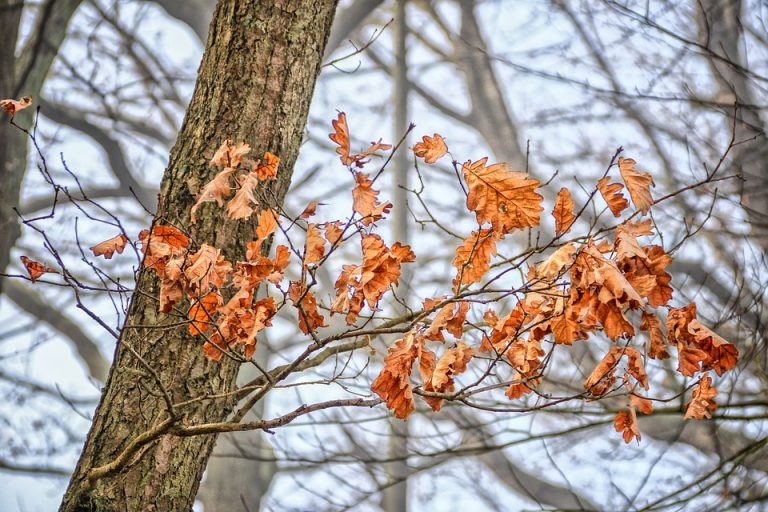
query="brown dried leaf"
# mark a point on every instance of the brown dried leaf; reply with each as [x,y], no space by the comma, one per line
[473,258]
[702,404]
[267,168]
[612,195]
[638,184]
[431,149]
[107,248]
[13,106]
[563,212]
[218,189]
[502,198]
[36,269]
[365,201]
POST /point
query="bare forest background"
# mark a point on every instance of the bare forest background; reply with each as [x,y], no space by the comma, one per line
[553,87]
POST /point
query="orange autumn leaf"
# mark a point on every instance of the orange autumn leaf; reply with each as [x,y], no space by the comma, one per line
[563,212]
[333,232]
[229,155]
[612,195]
[450,317]
[635,366]
[108,247]
[566,323]
[218,189]
[260,318]
[638,184]
[206,268]
[723,356]
[452,363]
[646,272]
[381,267]
[202,311]
[626,422]
[12,106]
[473,258]
[657,341]
[304,300]
[455,326]
[365,200]
[374,148]
[340,136]
[266,225]
[603,376]
[267,168]
[36,269]
[310,210]
[358,285]
[697,344]
[503,198]
[163,240]
[557,262]
[242,203]
[393,384]
[702,405]
[431,149]
[314,246]
[642,227]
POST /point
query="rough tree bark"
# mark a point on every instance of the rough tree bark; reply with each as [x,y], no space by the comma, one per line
[254,84]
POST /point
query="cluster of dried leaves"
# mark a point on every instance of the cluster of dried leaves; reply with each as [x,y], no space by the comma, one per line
[584,287]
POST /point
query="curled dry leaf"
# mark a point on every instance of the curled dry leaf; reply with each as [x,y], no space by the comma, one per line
[612,195]
[266,225]
[229,155]
[638,184]
[36,269]
[267,168]
[12,106]
[367,283]
[202,311]
[310,210]
[503,198]
[563,212]
[333,232]
[702,405]
[453,362]
[218,189]
[340,136]
[603,376]
[304,300]
[560,260]
[314,246]
[473,258]
[393,384]
[699,348]
[241,205]
[657,348]
[626,422]
[431,149]
[365,200]
[206,268]
[107,248]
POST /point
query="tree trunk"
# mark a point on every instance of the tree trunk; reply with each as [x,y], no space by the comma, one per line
[23,76]
[254,84]
[10,16]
